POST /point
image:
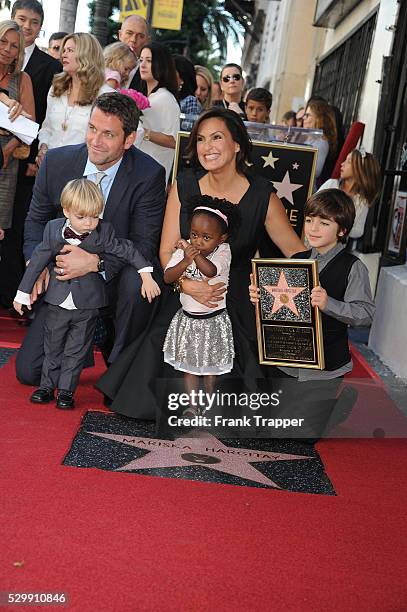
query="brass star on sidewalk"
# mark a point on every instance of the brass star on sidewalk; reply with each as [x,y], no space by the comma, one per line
[269,160]
[204,450]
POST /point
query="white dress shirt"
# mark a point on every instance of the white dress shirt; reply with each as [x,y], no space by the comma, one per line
[164,117]
[28,51]
[59,114]
[105,185]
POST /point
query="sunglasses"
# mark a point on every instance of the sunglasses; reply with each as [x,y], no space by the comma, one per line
[229,77]
[56,48]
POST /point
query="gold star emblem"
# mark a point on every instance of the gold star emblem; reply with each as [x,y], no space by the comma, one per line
[283,294]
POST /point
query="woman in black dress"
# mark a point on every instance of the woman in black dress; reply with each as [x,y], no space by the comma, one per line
[219,144]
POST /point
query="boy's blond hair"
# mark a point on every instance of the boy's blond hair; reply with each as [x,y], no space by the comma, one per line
[82,197]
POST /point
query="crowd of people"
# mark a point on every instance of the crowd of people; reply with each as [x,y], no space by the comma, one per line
[90,212]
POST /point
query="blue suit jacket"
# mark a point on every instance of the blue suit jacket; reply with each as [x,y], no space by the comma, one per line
[135,205]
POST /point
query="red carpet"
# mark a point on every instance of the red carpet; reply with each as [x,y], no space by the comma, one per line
[120,542]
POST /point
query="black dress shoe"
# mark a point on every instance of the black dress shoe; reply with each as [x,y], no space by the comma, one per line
[65,400]
[42,396]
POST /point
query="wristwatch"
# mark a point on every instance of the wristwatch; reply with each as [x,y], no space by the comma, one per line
[146,134]
[101,265]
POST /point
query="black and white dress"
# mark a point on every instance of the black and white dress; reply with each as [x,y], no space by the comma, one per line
[131,379]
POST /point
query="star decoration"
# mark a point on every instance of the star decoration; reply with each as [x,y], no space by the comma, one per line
[269,160]
[285,188]
[296,165]
[201,449]
[283,294]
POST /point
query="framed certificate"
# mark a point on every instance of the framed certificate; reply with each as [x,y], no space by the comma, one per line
[289,330]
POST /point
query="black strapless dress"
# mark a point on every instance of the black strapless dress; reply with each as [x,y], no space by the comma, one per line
[131,380]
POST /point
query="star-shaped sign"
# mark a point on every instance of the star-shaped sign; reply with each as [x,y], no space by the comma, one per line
[296,165]
[269,160]
[285,188]
[283,294]
[204,450]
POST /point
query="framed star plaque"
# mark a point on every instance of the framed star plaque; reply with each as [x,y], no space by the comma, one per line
[289,330]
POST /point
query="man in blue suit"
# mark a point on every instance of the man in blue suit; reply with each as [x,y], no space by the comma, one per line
[133,186]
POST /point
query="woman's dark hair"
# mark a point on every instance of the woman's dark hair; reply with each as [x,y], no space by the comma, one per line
[366,171]
[231,65]
[186,71]
[162,68]
[231,211]
[237,130]
[332,204]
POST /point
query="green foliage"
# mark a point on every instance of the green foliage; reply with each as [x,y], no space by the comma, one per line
[206,28]
[205,31]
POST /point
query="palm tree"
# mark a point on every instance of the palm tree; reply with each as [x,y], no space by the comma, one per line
[100,29]
[205,31]
[219,26]
[67,15]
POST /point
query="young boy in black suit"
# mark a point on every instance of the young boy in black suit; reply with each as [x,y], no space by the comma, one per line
[73,306]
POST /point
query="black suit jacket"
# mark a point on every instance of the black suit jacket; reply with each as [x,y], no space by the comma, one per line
[41,67]
[87,291]
[135,205]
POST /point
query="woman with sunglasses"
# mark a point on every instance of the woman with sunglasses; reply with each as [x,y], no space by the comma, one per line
[231,84]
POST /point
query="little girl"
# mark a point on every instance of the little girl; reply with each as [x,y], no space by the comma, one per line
[119,62]
[361,180]
[199,340]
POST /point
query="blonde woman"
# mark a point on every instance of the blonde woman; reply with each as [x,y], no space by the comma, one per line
[119,62]
[16,85]
[73,92]
[204,81]
[361,180]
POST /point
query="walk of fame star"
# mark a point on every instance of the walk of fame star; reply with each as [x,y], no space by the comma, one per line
[285,188]
[203,450]
[269,160]
[283,294]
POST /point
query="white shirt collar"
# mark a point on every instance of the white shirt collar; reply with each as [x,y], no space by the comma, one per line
[28,51]
[90,168]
